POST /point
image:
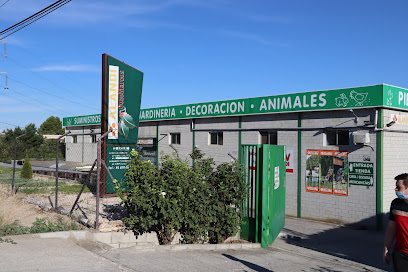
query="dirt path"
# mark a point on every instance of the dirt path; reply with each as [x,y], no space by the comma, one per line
[12,208]
[17,208]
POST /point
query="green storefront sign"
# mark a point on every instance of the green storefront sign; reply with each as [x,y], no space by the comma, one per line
[94,119]
[382,95]
[361,173]
[358,97]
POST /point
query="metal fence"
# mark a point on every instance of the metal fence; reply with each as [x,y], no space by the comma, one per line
[67,185]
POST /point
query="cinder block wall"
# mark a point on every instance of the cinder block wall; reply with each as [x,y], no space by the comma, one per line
[395,155]
[360,204]
[287,138]
[147,130]
[186,138]
[230,138]
[83,151]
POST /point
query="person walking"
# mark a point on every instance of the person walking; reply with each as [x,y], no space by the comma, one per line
[397,229]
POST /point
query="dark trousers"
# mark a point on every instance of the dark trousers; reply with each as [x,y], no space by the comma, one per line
[400,261]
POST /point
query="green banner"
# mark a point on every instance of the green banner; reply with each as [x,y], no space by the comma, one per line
[94,119]
[359,97]
[361,173]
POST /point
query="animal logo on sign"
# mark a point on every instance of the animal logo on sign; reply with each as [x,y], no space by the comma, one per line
[390,96]
[342,101]
[359,98]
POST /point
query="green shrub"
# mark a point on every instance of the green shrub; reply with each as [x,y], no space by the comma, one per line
[27,171]
[196,201]
[39,226]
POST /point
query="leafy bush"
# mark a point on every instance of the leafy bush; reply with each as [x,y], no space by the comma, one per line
[39,226]
[198,201]
[27,171]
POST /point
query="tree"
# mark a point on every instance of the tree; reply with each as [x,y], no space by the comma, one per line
[27,171]
[52,125]
[29,143]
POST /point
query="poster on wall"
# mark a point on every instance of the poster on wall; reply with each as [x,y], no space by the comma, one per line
[327,172]
[289,161]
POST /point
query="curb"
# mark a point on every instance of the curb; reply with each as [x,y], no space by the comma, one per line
[120,240]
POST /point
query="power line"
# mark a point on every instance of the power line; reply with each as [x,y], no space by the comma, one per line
[41,102]
[26,102]
[28,21]
[4,3]
[59,97]
[8,124]
[42,77]
[43,61]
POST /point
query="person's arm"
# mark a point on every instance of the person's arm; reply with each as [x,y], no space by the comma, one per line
[389,240]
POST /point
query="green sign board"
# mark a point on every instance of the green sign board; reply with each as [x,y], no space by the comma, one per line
[359,97]
[94,119]
[361,173]
[121,97]
[122,93]
[117,159]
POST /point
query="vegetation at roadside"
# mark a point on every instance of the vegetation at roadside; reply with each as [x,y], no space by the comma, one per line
[32,186]
[33,142]
[200,202]
[39,226]
[26,170]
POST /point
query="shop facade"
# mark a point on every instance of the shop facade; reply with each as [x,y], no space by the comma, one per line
[343,146]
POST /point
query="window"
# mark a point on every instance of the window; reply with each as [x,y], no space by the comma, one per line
[337,137]
[216,138]
[93,138]
[269,137]
[74,139]
[175,138]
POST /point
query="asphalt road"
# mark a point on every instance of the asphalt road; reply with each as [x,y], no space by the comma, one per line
[303,246]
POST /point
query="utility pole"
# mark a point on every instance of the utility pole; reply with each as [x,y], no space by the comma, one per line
[4,56]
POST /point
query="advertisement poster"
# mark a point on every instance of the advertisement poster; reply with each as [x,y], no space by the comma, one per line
[289,161]
[327,172]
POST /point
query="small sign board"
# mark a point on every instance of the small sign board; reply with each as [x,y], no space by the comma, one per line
[361,173]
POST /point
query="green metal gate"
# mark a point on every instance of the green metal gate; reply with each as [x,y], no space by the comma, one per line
[264,207]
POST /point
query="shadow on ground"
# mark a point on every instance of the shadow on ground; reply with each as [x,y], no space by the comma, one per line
[250,265]
[357,243]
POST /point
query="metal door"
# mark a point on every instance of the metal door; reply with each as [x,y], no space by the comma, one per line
[264,207]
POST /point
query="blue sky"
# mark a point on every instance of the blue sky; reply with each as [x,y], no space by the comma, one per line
[195,51]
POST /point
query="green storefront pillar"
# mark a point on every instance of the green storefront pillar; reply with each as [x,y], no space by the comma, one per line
[299,168]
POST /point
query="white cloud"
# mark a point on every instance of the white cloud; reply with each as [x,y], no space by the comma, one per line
[68,68]
[252,37]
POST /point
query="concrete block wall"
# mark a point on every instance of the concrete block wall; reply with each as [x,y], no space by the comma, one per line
[147,130]
[287,138]
[230,138]
[360,204]
[83,151]
[186,138]
[395,159]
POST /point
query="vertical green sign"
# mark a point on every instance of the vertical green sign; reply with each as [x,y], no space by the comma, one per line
[361,173]
[121,97]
